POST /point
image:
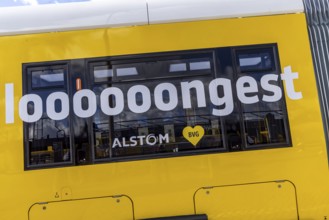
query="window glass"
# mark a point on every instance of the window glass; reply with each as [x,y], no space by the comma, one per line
[162,67]
[102,73]
[178,67]
[47,140]
[264,122]
[155,131]
[160,127]
[130,71]
[200,65]
[256,60]
[233,123]
[47,78]
[154,105]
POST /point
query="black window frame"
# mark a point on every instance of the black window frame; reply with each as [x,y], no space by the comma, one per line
[27,86]
[272,48]
[87,64]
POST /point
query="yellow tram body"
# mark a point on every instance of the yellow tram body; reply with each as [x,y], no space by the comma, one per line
[277,183]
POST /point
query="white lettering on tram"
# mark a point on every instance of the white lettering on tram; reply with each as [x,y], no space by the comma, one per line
[277,92]
[226,100]
[25,109]
[186,93]
[50,105]
[288,77]
[9,92]
[159,97]
[77,103]
[134,141]
[118,99]
[165,98]
[139,93]
[247,85]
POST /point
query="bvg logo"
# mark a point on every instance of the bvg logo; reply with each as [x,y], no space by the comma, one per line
[193,135]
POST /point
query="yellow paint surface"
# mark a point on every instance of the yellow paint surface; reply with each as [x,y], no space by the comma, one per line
[166,187]
[269,200]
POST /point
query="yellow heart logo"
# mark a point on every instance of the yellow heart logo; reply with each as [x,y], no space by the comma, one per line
[193,135]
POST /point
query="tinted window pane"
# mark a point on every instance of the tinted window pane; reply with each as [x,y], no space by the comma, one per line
[201,65]
[161,67]
[255,61]
[47,78]
[48,140]
[264,122]
[158,104]
[178,67]
[102,73]
[157,131]
[130,71]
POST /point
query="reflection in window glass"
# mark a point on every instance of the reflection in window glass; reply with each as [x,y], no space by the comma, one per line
[155,131]
[177,67]
[102,73]
[56,77]
[130,71]
[264,128]
[47,140]
[250,61]
[47,78]
[204,65]
[255,61]
[264,122]
[183,65]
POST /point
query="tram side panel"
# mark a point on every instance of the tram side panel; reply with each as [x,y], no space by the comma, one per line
[155,184]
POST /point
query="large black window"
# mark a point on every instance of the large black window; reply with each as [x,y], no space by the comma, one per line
[47,141]
[153,105]
[149,104]
[264,121]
